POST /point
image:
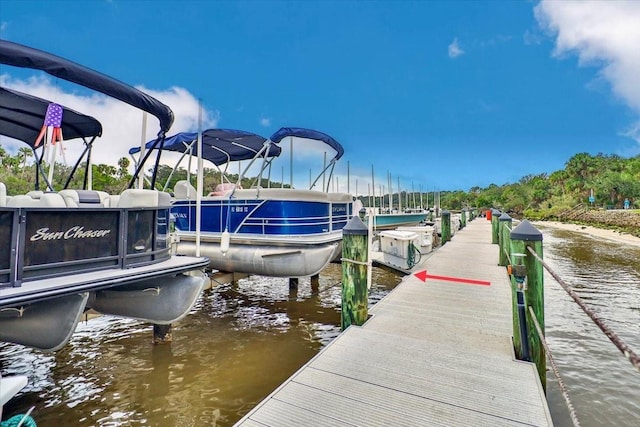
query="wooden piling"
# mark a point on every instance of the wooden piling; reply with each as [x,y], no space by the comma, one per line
[293,283]
[495,214]
[355,295]
[504,239]
[526,236]
[445,225]
[463,219]
[162,334]
[315,284]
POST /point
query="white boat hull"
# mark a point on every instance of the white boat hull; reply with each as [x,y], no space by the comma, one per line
[266,260]
[46,325]
[161,301]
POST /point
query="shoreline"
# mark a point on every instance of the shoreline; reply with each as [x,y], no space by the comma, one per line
[617,236]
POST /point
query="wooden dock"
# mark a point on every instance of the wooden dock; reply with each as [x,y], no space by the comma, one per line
[437,352]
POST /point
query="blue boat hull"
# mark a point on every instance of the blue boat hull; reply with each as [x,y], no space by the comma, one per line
[277,232]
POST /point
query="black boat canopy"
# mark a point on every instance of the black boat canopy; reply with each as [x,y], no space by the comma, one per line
[26,57]
[219,146]
[308,134]
[22,115]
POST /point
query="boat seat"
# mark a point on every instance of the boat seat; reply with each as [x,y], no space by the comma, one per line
[113,201]
[340,197]
[143,198]
[184,190]
[224,189]
[46,200]
[51,200]
[85,198]
[35,194]
[22,201]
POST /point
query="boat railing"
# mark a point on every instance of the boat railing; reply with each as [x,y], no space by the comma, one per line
[45,238]
[276,215]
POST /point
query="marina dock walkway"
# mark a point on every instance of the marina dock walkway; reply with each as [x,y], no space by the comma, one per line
[432,353]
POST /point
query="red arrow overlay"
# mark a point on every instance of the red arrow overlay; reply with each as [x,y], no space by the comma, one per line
[422,275]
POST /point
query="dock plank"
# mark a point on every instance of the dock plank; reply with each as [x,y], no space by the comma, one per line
[432,353]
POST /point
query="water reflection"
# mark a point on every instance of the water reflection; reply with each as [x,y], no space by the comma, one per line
[606,275]
[241,341]
[237,345]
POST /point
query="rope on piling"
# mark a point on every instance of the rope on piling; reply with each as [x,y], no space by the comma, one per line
[563,388]
[329,287]
[353,261]
[248,296]
[507,253]
[613,337]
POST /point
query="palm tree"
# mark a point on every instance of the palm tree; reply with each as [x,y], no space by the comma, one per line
[123,163]
[23,154]
[3,155]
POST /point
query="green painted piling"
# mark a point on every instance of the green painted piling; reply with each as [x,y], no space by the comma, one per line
[463,219]
[445,226]
[495,214]
[526,236]
[355,295]
[504,239]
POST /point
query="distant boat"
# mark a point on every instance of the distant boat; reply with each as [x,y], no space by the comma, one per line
[61,248]
[280,232]
[392,220]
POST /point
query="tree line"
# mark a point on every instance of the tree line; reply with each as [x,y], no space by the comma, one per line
[608,178]
[18,173]
[611,180]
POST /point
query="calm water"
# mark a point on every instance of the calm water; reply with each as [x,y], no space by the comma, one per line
[243,340]
[604,387]
[238,344]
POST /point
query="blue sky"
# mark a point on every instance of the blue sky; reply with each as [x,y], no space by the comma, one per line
[442,95]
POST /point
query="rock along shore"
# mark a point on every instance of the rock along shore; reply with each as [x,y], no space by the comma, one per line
[627,221]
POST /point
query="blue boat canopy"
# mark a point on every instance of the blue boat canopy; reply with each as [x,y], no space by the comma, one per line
[26,57]
[219,146]
[308,134]
[22,116]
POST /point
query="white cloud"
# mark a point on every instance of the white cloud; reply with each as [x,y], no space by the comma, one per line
[531,37]
[454,49]
[632,132]
[121,123]
[266,122]
[604,34]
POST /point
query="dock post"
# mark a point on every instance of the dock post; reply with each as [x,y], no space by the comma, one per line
[463,218]
[315,284]
[293,283]
[526,236]
[445,224]
[495,214]
[504,239]
[162,334]
[355,295]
